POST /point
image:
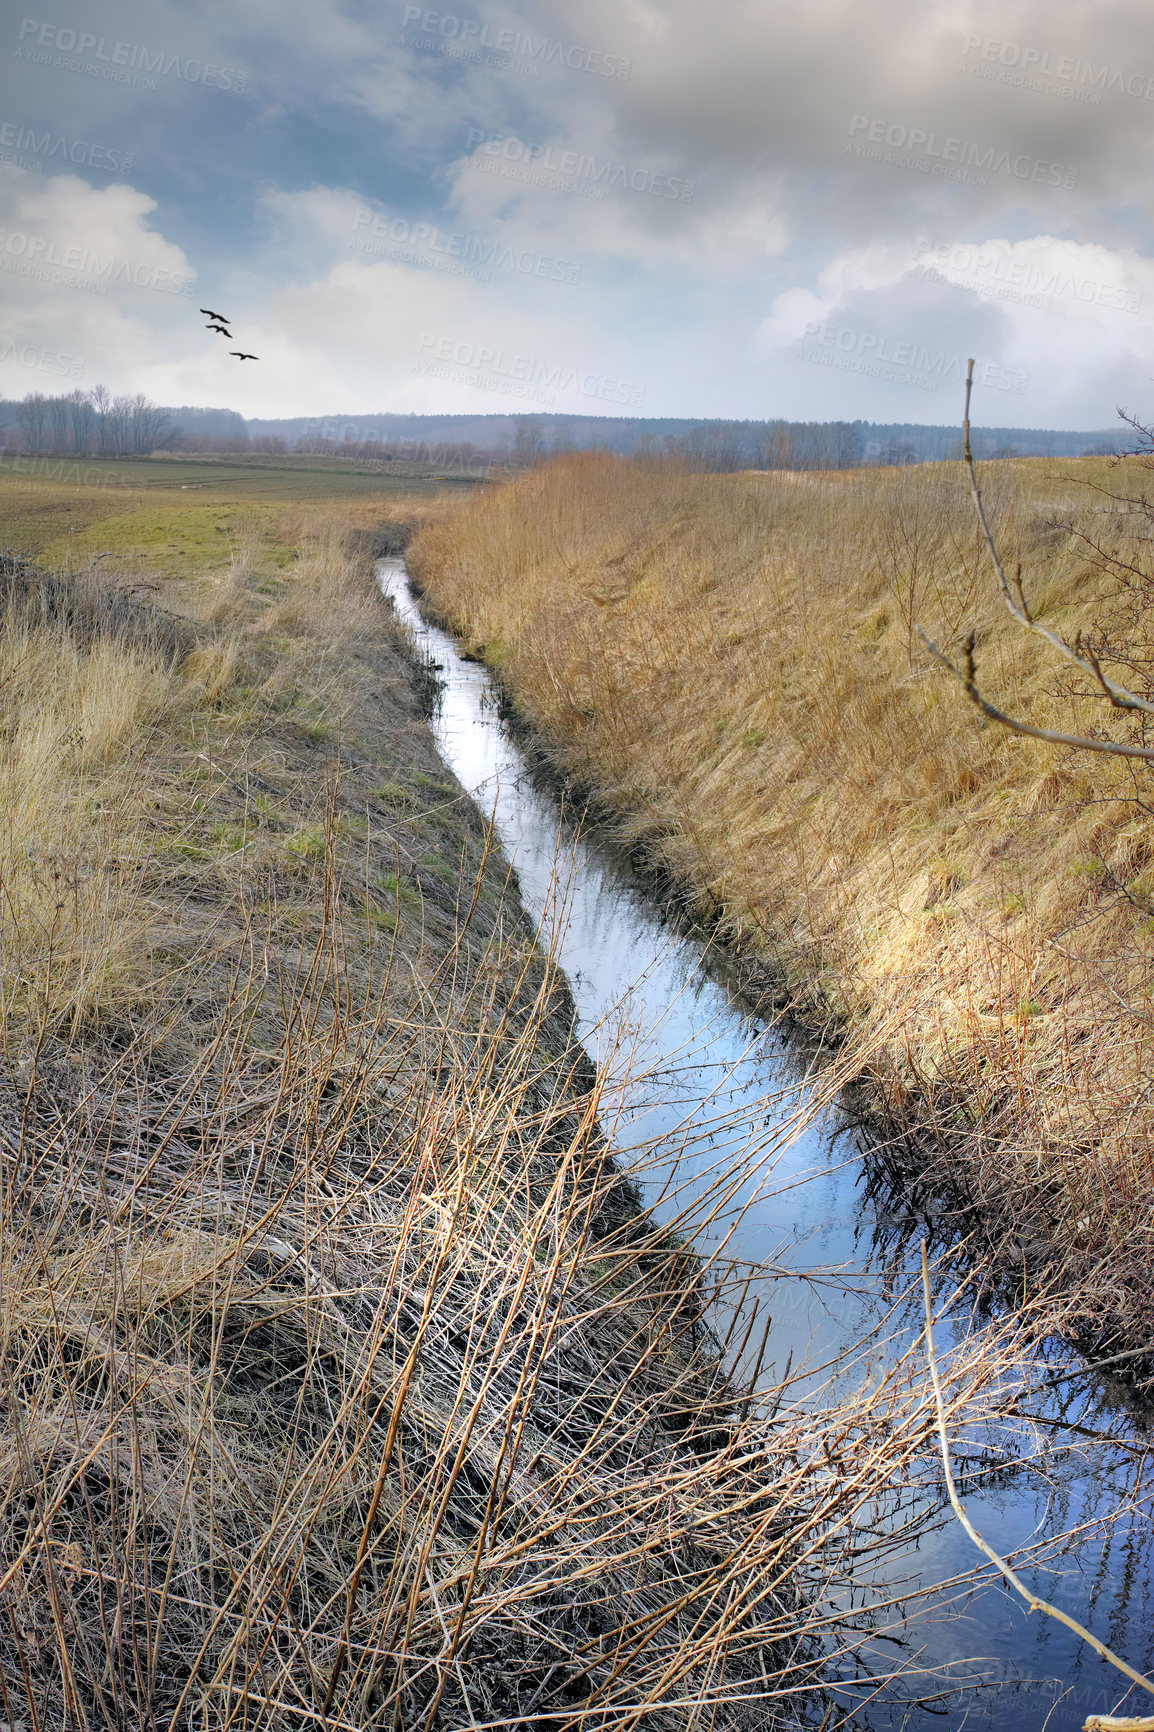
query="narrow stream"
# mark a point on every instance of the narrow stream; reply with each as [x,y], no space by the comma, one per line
[701,1084]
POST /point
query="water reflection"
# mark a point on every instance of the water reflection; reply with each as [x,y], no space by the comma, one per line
[699,1087]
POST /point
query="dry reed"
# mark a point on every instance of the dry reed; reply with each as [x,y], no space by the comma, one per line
[732,665]
[345,1382]
[346,1385]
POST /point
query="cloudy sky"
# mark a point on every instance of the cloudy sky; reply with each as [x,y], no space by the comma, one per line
[744,208]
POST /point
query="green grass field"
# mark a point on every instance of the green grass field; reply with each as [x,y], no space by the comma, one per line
[66,510]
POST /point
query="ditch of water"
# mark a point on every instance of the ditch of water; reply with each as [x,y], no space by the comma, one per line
[703,1085]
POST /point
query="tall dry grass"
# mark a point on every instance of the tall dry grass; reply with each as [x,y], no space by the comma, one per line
[84,674]
[346,1385]
[349,1391]
[345,1382]
[732,664]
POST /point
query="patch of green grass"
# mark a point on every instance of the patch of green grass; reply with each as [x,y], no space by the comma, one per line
[421,780]
[390,885]
[1092,869]
[307,843]
[381,918]
[440,865]
[266,809]
[229,836]
[183,850]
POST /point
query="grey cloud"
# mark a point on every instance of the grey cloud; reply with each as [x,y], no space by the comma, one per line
[737,88]
[816,140]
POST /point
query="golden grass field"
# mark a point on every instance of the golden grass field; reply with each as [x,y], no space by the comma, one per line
[732,664]
[345,1383]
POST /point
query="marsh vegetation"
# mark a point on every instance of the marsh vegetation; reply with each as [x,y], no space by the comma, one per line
[347,1380]
[732,664]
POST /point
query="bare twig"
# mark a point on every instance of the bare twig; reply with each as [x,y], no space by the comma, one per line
[1118,1723]
[1032,1600]
[968,678]
[1015,599]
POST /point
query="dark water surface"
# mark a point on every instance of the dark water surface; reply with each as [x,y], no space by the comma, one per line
[702,1087]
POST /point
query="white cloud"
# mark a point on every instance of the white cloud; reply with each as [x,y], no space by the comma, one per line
[337,223]
[1057,327]
[83,272]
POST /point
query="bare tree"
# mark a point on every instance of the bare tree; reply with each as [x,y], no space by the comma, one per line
[779,446]
[101,405]
[149,426]
[1085,656]
[31,417]
[528,442]
[82,417]
[117,425]
[58,421]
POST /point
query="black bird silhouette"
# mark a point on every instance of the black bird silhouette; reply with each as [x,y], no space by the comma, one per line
[221,329]
[209,314]
[241,356]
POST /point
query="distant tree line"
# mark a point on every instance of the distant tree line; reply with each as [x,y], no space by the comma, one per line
[441,453]
[226,445]
[474,443]
[720,447]
[223,432]
[91,423]
[727,446]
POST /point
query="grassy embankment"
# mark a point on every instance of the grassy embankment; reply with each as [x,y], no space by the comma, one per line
[343,1385]
[732,664]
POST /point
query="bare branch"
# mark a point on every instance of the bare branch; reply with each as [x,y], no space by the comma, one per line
[1115,560]
[1033,1602]
[968,678]
[1118,695]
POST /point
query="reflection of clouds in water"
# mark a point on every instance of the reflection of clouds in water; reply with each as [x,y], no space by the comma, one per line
[697,1100]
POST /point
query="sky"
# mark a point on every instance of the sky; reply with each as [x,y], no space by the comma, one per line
[706,208]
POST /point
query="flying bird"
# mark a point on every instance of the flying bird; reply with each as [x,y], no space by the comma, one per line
[241,356]
[219,317]
[223,332]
